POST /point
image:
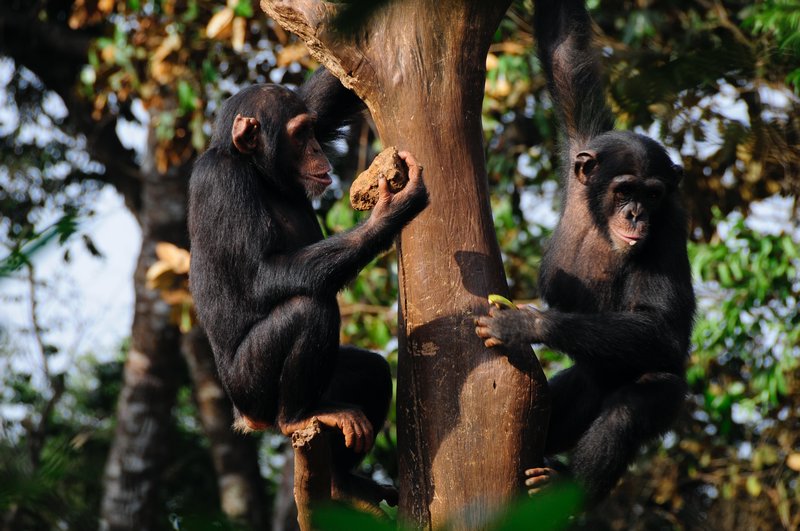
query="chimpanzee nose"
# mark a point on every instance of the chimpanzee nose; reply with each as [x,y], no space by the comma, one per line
[634,212]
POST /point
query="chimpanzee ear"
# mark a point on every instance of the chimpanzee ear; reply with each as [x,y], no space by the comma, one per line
[244,133]
[677,171]
[294,125]
[585,164]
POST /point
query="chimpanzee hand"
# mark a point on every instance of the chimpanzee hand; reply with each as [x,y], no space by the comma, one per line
[512,327]
[404,205]
[244,133]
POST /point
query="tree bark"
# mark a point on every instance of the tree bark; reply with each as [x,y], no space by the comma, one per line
[469,419]
[144,415]
[312,471]
[235,455]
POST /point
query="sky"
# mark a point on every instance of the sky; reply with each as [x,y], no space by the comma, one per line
[86,304]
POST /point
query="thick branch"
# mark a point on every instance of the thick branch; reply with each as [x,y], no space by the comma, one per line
[312,471]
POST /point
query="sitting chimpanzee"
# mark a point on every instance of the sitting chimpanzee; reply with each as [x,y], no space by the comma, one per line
[264,279]
[615,275]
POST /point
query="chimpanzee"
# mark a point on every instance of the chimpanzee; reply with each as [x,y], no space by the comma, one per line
[615,275]
[264,279]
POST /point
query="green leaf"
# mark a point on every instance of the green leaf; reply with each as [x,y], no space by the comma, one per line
[186,97]
[753,486]
[336,517]
[548,510]
[244,8]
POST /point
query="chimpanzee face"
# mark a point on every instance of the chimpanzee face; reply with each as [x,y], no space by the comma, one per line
[628,178]
[310,166]
[272,125]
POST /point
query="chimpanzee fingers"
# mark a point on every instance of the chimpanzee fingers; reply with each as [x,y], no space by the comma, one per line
[483,321]
[369,437]
[492,342]
[415,183]
[365,429]
[540,471]
[358,438]
[344,425]
[537,477]
[414,168]
[383,190]
[483,329]
[348,435]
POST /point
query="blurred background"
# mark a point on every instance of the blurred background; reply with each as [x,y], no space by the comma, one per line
[110,411]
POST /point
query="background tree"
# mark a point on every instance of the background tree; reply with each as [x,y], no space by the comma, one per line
[716,80]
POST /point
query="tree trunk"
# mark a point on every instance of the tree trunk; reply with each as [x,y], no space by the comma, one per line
[469,419]
[235,455]
[144,413]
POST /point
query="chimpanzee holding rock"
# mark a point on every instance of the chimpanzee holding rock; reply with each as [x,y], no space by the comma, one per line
[264,279]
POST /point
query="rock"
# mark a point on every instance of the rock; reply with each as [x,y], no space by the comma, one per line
[388,164]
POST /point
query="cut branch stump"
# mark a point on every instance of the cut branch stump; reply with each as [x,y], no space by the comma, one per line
[312,471]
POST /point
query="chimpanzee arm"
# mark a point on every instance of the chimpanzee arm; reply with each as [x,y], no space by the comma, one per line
[635,341]
[642,340]
[564,33]
[327,265]
[333,104]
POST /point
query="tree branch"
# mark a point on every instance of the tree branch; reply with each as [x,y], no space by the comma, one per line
[312,471]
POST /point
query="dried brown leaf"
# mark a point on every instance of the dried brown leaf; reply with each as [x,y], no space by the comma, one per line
[220,25]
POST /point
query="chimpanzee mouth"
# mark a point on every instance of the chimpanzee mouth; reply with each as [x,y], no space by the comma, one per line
[320,178]
[629,238]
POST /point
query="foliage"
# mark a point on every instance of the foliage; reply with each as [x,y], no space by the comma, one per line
[551,510]
[28,245]
[39,175]
[780,18]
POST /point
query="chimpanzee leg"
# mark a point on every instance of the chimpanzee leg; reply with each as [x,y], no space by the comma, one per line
[362,379]
[285,363]
[575,403]
[575,399]
[630,416]
[312,355]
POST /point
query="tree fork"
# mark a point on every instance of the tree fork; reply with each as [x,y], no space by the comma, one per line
[470,419]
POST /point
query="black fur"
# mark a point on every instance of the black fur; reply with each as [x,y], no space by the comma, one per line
[264,279]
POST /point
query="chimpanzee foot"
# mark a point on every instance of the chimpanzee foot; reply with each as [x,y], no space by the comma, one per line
[363,493]
[539,478]
[353,424]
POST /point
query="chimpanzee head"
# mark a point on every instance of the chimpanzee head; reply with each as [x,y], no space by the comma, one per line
[271,126]
[630,180]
